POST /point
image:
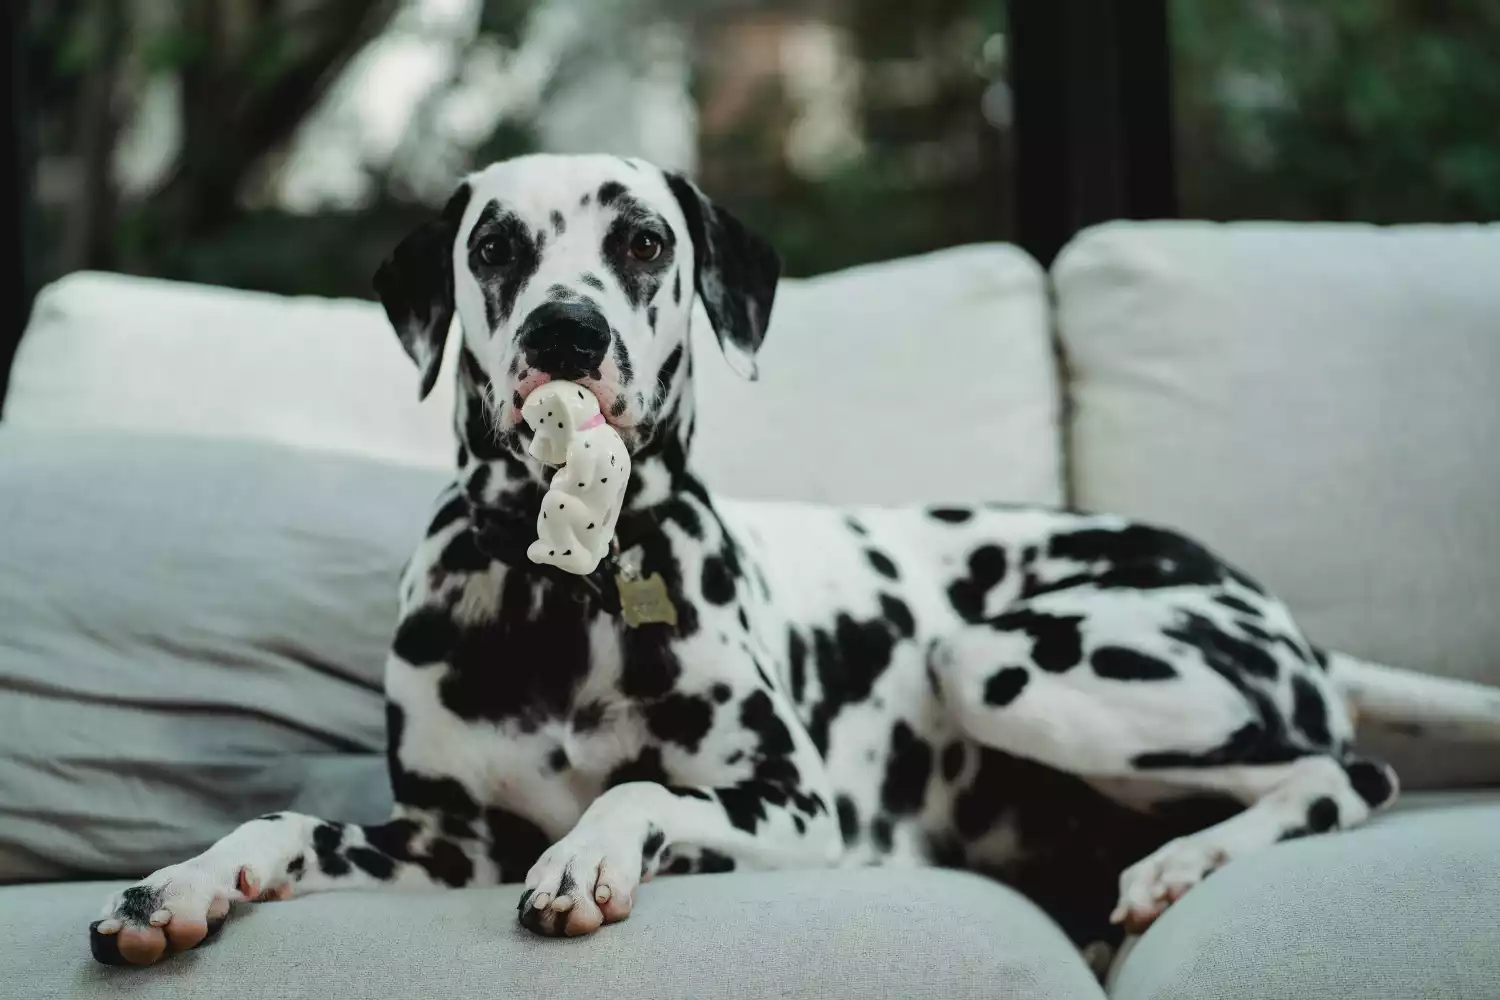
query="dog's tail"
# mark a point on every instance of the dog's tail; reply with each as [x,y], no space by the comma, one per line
[1417,703]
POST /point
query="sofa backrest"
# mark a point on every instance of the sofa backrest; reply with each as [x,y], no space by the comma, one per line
[856,348]
[1319,404]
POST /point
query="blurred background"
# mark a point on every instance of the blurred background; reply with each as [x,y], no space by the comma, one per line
[286,145]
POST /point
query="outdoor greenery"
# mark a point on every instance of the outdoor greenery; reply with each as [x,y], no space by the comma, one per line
[1382,110]
[1372,110]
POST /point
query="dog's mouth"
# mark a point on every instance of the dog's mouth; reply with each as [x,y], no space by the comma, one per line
[603,384]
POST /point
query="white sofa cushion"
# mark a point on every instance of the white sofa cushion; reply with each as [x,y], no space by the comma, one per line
[138,354]
[1316,402]
[833,417]
[928,378]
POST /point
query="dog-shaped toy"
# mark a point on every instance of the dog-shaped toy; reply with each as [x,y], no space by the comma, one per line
[577,520]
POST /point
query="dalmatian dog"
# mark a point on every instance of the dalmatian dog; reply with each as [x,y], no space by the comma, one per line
[1097,711]
[581,509]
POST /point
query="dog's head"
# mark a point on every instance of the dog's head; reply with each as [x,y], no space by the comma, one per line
[582,268]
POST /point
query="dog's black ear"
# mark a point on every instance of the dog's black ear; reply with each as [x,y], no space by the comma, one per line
[415,284]
[735,274]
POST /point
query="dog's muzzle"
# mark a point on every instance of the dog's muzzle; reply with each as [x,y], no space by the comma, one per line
[567,340]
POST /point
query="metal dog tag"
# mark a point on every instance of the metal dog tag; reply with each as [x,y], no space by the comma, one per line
[643,601]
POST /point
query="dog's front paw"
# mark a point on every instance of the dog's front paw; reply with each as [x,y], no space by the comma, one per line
[579,885]
[173,910]
[1149,886]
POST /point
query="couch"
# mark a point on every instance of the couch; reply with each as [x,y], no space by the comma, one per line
[206,497]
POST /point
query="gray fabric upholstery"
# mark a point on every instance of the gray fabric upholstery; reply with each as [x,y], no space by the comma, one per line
[191,633]
[828,935]
[1317,403]
[1406,907]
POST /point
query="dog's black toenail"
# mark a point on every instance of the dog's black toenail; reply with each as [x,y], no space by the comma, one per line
[106,947]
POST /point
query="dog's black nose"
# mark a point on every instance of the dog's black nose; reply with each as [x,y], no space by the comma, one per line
[565,339]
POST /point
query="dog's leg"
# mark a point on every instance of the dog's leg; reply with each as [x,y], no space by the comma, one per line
[777,815]
[269,858]
[1110,685]
[1307,796]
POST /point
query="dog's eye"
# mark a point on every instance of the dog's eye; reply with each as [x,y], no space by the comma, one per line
[494,253]
[645,246]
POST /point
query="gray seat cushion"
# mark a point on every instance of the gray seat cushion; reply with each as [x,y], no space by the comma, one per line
[1408,906]
[191,632]
[828,935]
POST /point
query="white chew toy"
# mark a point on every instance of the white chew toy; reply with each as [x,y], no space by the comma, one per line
[577,521]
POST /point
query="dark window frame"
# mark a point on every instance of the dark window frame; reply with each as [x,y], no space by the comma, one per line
[1092,81]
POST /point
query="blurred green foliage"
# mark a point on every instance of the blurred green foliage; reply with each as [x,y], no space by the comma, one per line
[1372,110]
[1378,110]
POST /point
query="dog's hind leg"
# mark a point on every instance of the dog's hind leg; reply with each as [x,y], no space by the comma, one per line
[271,857]
[1306,796]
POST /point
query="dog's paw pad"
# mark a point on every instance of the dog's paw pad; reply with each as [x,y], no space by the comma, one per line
[1149,886]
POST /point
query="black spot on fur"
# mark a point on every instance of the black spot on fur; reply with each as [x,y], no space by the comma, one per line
[515,843]
[328,838]
[296,866]
[987,567]
[849,660]
[492,678]
[1005,685]
[443,860]
[1371,781]
[883,564]
[1056,644]
[688,792]
[1139,557]
[651,317]
[138,903]
[953,761]
[796,658]
[1121,664]
[676,286]
[645,767]
[882,834]
[853,525]
[1236,603]
[848,818]
[720,693]
[609,191]
[1227,654]
[1309,713]
[906,772]
[718,584]
[680,865]
[653,843]
[951,515]
[442,795]
[586,718]
[372,862]
[1322,814]
[669,369]
[424,637]
[592,280]
[454,509]
[557,759]
[502,285]
[898,614]
[711,862]
[559,224]
[462,555]
[683,719]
